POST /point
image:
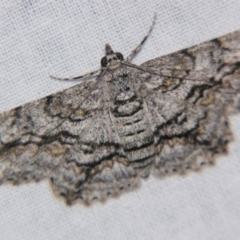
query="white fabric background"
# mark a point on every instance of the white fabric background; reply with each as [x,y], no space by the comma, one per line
[67,38]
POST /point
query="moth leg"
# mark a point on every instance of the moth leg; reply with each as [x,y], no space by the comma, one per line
[138,48]
[87,75]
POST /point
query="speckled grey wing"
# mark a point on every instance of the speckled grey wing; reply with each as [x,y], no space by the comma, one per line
[189,109]
[99,137]
[69,138]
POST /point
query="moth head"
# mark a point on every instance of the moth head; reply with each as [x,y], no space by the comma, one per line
[112,58]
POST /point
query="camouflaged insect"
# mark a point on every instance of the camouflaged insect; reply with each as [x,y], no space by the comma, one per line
[99,138]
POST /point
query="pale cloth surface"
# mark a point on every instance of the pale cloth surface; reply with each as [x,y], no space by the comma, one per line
[65,39]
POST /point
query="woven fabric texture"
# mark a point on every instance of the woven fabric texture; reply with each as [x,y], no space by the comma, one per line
[66,39]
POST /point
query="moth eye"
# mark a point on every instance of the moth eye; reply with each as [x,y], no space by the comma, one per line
[119,56]
[104,62]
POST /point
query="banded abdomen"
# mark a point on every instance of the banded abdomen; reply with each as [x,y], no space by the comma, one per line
[129,113]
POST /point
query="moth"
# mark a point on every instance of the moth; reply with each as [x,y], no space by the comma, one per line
[99,138]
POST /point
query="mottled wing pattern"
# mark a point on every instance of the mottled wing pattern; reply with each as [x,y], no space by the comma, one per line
[69,138]
[99,137]
[190,118]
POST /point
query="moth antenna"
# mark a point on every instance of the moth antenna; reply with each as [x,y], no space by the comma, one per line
[159,74]
[138,48]
[87,75]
